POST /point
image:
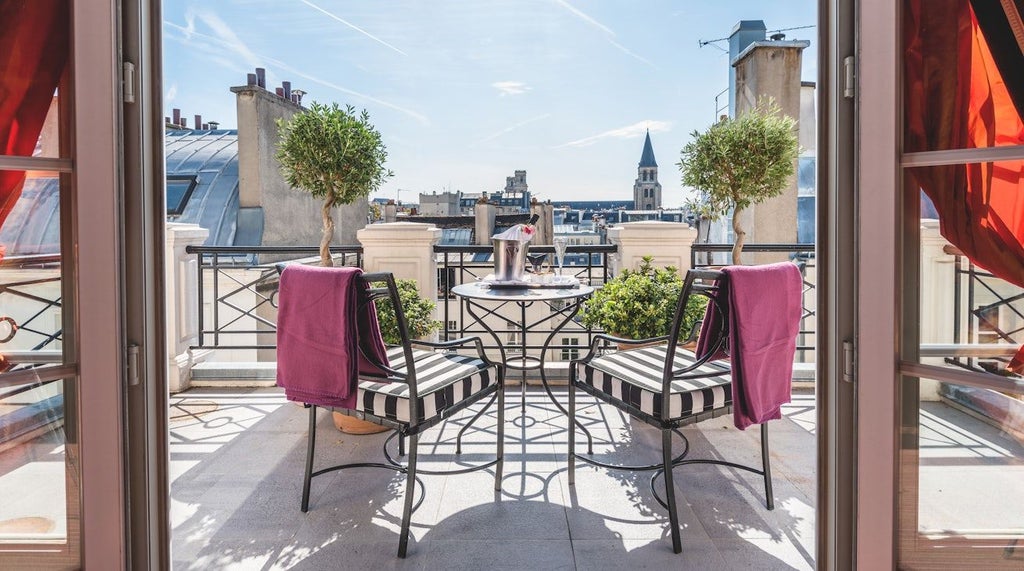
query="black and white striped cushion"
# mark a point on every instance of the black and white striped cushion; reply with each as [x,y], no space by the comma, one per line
[443,380]
[635,377]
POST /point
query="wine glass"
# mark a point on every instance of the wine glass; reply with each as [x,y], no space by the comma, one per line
[560,243]
[536,260]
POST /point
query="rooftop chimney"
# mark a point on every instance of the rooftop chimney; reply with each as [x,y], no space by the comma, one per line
[250,79]
[199,122]
[261,77]
[279,91]
[778,37]
[287,86]
[214,125]
[176,114]
[298,93]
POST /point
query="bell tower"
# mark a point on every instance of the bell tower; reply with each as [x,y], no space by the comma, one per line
[647,189]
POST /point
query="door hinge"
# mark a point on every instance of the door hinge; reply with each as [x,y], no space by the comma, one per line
[128,81]
[849,76]
[849,362]
[133,364]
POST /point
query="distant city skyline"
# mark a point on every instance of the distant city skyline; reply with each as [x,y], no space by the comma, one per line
[466,93]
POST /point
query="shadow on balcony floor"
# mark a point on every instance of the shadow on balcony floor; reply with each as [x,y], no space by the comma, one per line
[237,456]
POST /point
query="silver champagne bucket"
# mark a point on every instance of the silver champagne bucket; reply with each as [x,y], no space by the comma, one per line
[509,259]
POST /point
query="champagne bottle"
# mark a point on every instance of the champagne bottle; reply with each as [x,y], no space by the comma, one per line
[529,228]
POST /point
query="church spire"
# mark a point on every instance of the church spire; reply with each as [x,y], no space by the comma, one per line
[647,157]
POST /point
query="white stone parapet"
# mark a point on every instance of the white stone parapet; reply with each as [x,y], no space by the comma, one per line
[405,249]
[181,278]
[669,243]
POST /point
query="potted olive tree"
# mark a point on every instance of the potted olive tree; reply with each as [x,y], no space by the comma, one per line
[640,304]
[740,162]
[335,155]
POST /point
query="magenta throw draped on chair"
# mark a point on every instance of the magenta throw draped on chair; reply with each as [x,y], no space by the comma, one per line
[322,335]
[764,306]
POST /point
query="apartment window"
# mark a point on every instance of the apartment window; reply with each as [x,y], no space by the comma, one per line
[179,190]
[570,348]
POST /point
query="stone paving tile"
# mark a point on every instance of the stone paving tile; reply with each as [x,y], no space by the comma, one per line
[612,554]
[237,486]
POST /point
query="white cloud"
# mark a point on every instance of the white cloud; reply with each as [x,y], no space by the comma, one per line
[172,92]
[628,132]
[510,87]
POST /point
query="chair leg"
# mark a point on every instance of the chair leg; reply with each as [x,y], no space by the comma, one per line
[670,490]
[401,445]
[501,430]
[769,496]
[310,448]
[410,492]
[572,428]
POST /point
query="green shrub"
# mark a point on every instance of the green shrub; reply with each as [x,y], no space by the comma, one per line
[419,314]
[639,304]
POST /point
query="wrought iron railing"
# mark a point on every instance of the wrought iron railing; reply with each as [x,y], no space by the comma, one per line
[31,333]
[802,255]
[466,264]
[239,284]
[986,310]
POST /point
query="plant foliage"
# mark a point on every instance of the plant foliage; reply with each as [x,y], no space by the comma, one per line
[419,314]
[740,162]
[335,155]
[332,152]
[640,304]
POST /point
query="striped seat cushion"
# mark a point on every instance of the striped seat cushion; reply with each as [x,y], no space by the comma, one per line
[443,380]
[635,376]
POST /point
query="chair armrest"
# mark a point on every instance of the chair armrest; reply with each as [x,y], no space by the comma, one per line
[476,341]
[606,337]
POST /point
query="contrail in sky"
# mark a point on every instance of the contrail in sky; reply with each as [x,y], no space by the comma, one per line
[351,25]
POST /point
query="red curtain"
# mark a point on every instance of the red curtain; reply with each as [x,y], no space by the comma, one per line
[33,54]
[964,81]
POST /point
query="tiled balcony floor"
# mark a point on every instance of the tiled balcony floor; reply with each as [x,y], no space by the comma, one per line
[237,457]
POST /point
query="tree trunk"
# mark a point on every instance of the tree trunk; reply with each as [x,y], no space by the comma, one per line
[328,235]
[737,230]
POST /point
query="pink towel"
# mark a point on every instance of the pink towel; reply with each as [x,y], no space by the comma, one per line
[322,336]
[764,309]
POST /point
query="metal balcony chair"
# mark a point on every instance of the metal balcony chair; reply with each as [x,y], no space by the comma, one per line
[411,399]
[667,387]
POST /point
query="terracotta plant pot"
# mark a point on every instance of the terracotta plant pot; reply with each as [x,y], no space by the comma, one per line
[353,425]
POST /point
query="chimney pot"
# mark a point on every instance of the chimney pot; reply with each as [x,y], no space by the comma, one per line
[167,120]
[261,77]
[287,86]
[199,122]
[206,126]
[250,79]
[176,113]
[279,91]
[214,125]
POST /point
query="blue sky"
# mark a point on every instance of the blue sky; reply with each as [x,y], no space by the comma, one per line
[465,92]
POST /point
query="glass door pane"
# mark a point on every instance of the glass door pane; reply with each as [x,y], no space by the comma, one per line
[40,478]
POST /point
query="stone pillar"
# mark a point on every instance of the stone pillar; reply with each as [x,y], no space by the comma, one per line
[771,69]
[182,299]
[937,295]
[405,249]
[485,213]
[390,212]
[669,243]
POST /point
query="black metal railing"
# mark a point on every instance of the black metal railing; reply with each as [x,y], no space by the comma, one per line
[34,329]
[986,310]
[466,264]
[801,254]
[244,306]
